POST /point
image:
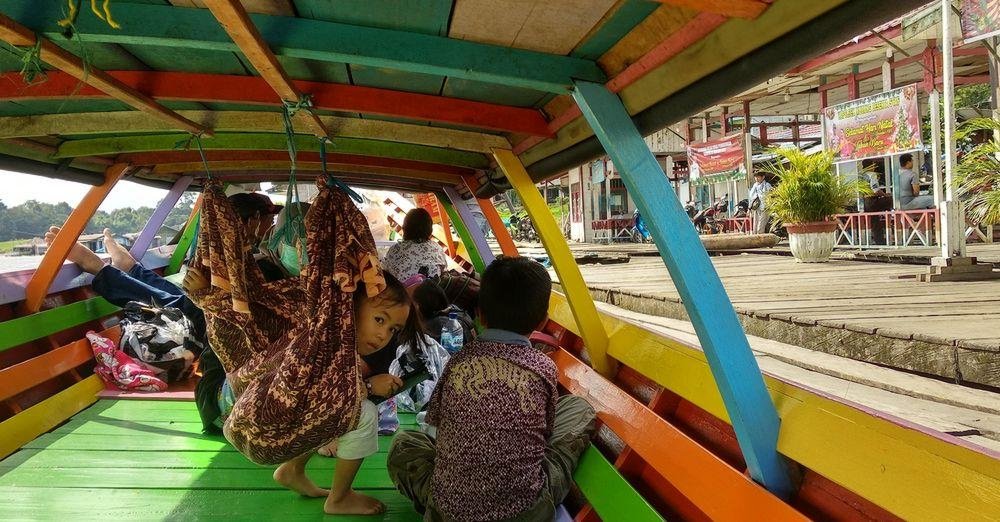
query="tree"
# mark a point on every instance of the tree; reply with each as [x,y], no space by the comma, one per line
[977,177]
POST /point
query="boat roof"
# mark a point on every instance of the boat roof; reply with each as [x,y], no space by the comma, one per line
[412,95]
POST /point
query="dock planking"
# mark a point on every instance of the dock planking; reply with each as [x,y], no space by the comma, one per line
[857,309]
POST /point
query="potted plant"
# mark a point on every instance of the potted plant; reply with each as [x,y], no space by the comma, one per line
[808,194]
[977,180]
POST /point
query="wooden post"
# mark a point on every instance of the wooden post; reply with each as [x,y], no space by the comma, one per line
[141,244]
[595,338]
[953,240]
[38,287]
[472,236]
[734,368]
[187,237]
[445,226]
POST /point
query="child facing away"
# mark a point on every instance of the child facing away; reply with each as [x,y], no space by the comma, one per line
[506,444]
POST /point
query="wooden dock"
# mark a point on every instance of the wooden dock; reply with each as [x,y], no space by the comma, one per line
[855,309]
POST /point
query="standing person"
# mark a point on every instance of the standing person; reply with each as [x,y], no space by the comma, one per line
[909,187]
[506,444]
[417,250]
[758,200]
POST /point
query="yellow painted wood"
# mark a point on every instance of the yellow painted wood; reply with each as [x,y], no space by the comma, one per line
[42,417]
[581,303]
[905,470]
[664,21]
[246,121]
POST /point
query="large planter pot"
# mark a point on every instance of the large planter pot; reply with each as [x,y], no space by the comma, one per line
[812,242]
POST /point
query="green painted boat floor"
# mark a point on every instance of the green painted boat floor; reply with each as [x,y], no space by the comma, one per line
[149,460]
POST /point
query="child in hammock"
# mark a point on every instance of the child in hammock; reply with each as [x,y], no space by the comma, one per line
[379,319]
[506,443]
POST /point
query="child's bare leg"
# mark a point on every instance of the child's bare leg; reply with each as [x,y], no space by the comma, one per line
[343,500]
[292,475]
[84,257]
[120,258]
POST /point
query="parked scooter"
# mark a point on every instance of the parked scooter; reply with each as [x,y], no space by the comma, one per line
[709,220]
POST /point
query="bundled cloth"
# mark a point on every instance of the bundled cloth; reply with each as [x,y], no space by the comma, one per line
[288,346]
[118,369]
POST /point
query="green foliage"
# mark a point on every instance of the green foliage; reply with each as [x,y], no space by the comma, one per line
[32,218]
[809,189]
[977,175]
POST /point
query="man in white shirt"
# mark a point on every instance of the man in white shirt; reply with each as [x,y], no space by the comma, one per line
[757,199]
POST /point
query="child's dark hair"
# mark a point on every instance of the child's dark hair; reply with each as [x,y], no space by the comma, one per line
[418,225]
[395,293]
[514,294]
[430,298]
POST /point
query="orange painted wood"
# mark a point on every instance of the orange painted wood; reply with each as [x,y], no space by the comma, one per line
[28,374]
[18,35]
[235,20]
[446,227]
[38,287]
[500,232]
[223,88]
[748,9]
[721,492]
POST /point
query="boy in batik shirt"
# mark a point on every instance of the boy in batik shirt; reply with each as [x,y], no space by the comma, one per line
[506,444]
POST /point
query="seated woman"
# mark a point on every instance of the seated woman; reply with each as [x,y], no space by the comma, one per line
[417,250]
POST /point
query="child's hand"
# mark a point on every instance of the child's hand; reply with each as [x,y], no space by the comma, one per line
[385,385]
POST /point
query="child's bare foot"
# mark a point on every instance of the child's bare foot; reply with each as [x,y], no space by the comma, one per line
[353,503]
[120,258]
[294,478]
[330,450]
[84,257]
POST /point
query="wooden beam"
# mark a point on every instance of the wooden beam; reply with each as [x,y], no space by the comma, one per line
[221,88]
[18,35]
[273,142]
[236,22]
[128,122]
[846,50]
[748,9]
[167,26]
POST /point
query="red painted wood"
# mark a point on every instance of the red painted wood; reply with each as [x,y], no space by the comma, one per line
[822,499]
[188,156]
[254,90]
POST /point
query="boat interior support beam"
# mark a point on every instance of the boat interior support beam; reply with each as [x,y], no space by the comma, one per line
[465,233]
[478,239]
[38,287]
[500,232]
[187,238]
[60,171]
[727,350]
[445,226]
[595,337]
[141,244]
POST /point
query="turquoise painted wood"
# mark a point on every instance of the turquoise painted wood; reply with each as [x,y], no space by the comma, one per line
[722,338]
[462,207]
[168,26]
[463,234]
[629,15]
[16,332]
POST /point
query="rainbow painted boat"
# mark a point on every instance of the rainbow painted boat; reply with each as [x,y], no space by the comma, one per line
[458,99]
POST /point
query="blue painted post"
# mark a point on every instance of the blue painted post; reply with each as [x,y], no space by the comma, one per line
[156,220]
[471,224]
[722,338]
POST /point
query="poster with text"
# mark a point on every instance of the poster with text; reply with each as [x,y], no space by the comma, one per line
[980,19]
[876,126]
[724,155]
[429,203]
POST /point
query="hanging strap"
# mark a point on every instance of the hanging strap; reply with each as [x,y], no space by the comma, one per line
[330,179]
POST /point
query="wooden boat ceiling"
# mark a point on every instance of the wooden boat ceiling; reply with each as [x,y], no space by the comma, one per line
[413,95]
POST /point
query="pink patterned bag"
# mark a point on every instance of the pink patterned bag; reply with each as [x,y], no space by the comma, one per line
[118,369]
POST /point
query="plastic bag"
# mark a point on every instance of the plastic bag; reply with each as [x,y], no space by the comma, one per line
[434,357]
[162,338]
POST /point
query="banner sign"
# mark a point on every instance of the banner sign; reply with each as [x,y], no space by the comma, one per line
[721,156]
[875,126]
[429,203]
[980,19]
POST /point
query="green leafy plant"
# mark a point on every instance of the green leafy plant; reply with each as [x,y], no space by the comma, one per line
[977,175]
[809,189]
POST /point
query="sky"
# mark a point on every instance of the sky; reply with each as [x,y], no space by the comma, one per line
[18,188]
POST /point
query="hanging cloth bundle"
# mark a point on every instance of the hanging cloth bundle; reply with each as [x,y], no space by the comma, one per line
[288,241]
[288,346]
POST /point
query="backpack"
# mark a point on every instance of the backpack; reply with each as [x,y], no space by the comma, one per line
[161,338]
[461,289]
